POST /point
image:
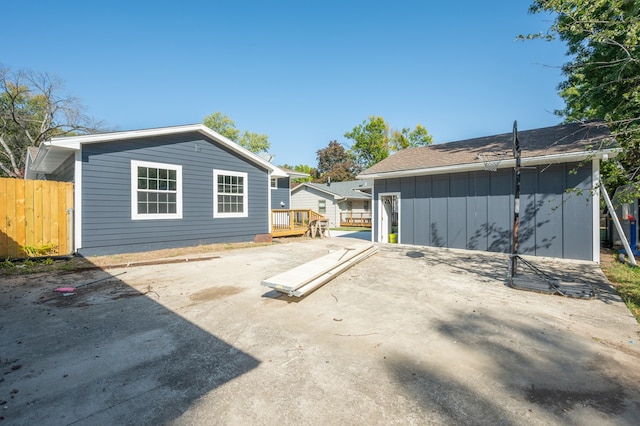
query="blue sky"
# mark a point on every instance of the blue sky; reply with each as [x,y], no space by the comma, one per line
[303,72]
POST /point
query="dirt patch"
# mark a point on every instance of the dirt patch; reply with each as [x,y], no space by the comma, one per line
[168,253]
[214,293]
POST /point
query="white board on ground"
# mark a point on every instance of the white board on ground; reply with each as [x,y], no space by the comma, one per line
[297,277]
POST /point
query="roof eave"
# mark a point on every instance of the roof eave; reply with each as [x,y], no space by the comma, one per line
[75,142]
[304,184]
[510,163]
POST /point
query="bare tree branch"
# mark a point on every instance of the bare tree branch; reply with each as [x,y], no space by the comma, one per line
[35,108]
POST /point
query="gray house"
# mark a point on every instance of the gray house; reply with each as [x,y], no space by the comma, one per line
[343,203]
[159,188]
[443,196]
[281,189]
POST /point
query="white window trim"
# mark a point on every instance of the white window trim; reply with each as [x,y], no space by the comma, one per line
[245,197]
[134,190]
[325,206]
[272,181]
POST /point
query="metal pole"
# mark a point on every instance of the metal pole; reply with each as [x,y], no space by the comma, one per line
[516,201]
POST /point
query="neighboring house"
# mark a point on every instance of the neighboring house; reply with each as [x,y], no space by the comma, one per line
[281,189]
[343,203]
[159,188]
[442,196]
[29,173]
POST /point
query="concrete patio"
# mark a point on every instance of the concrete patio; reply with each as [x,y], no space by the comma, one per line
[411,335]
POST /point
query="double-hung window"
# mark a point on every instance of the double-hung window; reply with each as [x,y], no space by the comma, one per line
[322,206]
[156,190]
[230,196]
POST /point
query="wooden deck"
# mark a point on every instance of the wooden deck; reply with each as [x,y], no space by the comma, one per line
[287,223]
[355,219]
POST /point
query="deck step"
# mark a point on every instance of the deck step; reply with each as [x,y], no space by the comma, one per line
[307,277]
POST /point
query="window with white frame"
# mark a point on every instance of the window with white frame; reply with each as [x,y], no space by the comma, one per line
[274,183]
[322,206]
[230,196]
[156,190]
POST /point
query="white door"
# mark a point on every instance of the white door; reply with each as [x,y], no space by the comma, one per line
[389,217]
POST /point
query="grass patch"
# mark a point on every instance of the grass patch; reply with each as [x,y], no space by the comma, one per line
[626,280]
[350,228]
[34,266]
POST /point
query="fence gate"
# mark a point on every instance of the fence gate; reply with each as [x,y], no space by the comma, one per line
[36,217]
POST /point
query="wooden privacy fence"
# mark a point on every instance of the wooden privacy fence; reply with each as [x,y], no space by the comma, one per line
[35,217]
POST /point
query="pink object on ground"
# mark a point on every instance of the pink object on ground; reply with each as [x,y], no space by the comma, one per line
[65,289]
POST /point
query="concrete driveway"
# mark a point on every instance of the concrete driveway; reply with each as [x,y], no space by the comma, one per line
[409,336]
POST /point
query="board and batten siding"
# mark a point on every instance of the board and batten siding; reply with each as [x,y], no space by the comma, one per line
[107,226]
[474,210]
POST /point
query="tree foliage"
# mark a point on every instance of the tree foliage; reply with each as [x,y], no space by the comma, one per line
[302,168]
[335,163]
[254,142]
[223,125]
[374,140]
[602,78]
[33,108]
[407,138]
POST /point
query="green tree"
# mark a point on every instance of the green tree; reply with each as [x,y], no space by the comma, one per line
[407,138]
[374,140]
[302,168]
[335,163]
[602,77]
[222,124]
[254,142]
[34,109]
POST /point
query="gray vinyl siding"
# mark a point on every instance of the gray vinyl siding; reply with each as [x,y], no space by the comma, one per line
[474,210]
[65,172]
[281,195]
[107,226]
[307,198]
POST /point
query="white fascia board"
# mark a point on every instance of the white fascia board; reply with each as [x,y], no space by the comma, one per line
[39,163]
[42,154]
[74,142]
[510,163]
[296,175]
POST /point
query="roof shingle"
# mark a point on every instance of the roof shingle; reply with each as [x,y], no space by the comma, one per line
[566,138]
